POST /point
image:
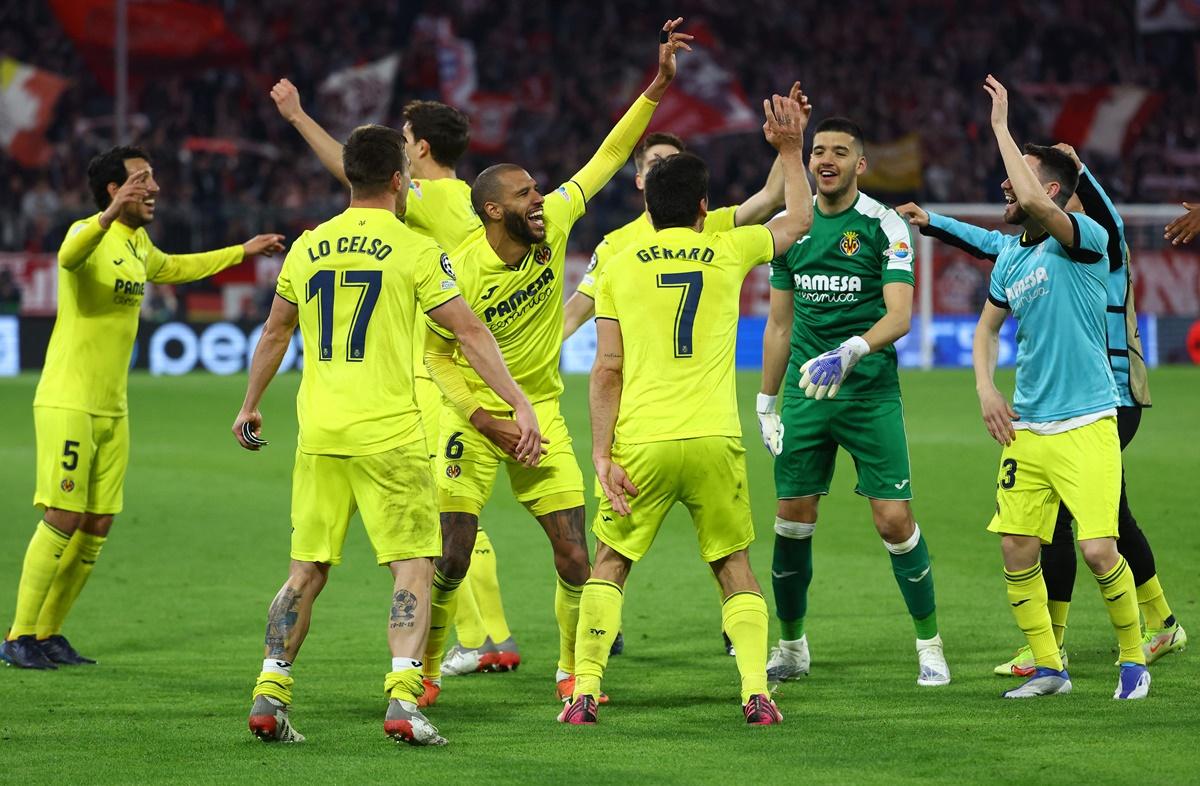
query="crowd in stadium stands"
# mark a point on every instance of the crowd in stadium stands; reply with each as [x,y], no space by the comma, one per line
[896,66]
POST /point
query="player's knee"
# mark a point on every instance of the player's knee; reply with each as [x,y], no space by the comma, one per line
[894,523]
[458,540]
[307,577]
[1021,552]
[65,521]
[1100,554]
[98,525]
[798,509]
[571,563]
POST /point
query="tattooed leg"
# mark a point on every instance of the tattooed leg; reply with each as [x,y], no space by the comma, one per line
[458,541]
[291,610]
[408,621]
[568,538]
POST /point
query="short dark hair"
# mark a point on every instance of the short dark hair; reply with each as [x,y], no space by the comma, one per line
[652,139]
[674,188]
[842,125]
[371,156]
[1057,166]
[109,167]
[446,129]
[487,186]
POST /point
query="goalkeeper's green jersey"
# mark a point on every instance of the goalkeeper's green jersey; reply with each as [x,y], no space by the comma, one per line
[837,272]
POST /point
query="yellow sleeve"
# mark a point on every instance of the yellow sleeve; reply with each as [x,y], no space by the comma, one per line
[82,239]
[616,148]
[283,285]
[605,307]
[439,361]
[721,219]
[587,286]
[164,268]
[753,245]
[433,279]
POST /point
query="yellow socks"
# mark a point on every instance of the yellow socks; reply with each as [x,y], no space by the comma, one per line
[1027,596]
[485,584]
[1153,604]
[37,575]
[468,625]
[1120,598]
[275,685]
[1058,619]
[441,612]
[403,685]
[74,567]
[744,618]
[566,611]
[599,620]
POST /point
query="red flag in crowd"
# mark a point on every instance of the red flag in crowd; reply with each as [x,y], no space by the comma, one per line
[27,98]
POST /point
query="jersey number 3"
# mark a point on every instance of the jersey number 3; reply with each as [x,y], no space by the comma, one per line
[322,286]
[692,284]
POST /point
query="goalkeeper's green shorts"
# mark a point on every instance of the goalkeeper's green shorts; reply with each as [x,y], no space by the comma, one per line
[871,431]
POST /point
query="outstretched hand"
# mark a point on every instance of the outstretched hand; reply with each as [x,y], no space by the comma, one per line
[263,245]
[287,100]
[671,42]
[786,119]
[915,214]
[1185,228]
[999,96]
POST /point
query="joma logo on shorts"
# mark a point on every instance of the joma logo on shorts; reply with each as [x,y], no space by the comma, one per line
[821,283]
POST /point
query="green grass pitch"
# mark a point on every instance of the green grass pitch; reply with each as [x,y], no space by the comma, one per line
[175,613]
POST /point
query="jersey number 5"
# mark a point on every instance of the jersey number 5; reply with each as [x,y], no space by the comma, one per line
[692,284]
[322,286]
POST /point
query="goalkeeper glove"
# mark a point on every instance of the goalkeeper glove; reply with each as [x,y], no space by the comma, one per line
[822,376]
[769,424]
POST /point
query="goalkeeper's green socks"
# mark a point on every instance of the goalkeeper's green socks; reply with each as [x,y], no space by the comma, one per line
[914,575]
[791,574]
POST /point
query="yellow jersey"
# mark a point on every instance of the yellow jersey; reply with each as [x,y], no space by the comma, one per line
[677,296]
[439,209]
[102,278]
[523,305]
[360,280]
[637,231]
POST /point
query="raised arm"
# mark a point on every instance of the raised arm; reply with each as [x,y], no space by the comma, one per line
[164,268]
[997,414]
[268,354]
[766,202]
[1029,191]
[480,349]
[604,399]
[976,241]
[328,150]
[616,148]
[786,120]
[84,236]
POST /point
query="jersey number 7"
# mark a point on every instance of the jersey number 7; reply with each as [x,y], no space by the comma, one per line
[322,286]
[692,284]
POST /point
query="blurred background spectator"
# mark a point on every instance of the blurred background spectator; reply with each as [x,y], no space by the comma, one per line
[909,71]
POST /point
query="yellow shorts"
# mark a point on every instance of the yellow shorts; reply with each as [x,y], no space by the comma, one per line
[1080,467]
[429,404]
[81,460]
[706,474]
[468,462]
[394,491]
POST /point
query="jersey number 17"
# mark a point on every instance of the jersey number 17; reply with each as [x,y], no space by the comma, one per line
[323,286]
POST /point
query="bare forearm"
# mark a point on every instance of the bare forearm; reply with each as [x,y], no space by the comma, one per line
[765,202]
[1026,188]
[579,309]
[887,331]
[776,347]
[797,195]
[984,353]
[272,346]
[328,149]
[482,352]
[604,399]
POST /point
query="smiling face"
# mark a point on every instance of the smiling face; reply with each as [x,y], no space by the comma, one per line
[519,207]
[1013,212]
[836,162]
[140,213]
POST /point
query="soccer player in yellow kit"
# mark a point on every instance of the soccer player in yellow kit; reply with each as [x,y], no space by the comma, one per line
[438,206]
[80,412]
[353,285]
[512,276]
[654,148]
[663,396]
